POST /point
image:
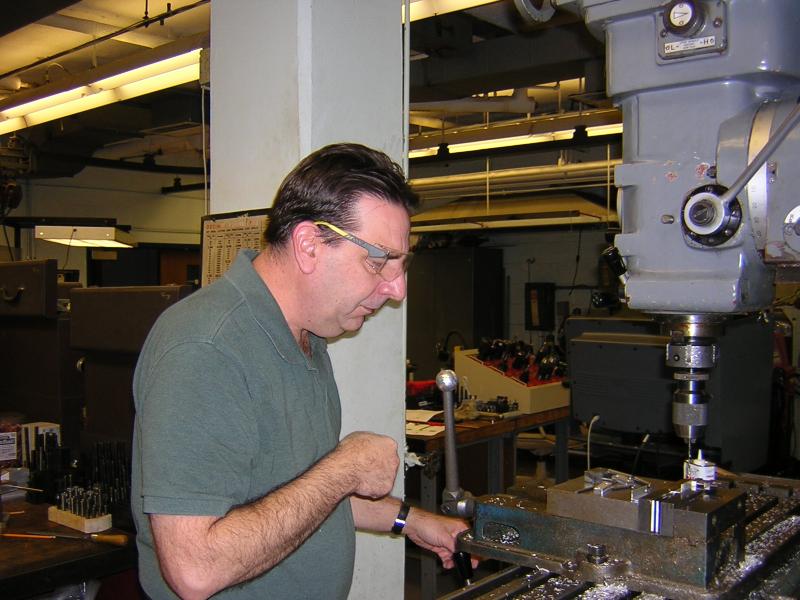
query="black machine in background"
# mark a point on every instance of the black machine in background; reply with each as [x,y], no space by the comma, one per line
[455,297]
[109,326]
[67,354]
[38,379]
[617,371]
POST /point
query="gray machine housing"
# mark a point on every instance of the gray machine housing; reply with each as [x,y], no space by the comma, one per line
[699,103]
[684,114]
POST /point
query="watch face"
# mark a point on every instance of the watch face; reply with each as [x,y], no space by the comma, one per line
[681,14]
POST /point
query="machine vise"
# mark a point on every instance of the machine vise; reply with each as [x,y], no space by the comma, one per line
[684,540]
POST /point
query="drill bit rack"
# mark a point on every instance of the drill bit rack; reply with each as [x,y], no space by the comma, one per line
[83,509]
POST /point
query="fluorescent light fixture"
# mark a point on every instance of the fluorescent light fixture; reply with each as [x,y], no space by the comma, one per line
[510,223]
[422,9]
[85,236]
[519,140]
[159,75]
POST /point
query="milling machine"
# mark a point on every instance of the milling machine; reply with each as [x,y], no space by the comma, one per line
[709,95]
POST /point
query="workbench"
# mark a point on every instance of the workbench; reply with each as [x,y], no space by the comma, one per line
[494,434]
[32,567]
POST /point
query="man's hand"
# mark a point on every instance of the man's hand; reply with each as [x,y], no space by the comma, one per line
[435,533]
[372,460]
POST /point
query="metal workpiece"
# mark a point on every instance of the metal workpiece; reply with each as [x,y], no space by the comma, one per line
[663,508]
[716,539]
[699,468]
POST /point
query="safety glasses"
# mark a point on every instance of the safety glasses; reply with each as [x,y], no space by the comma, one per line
[387,263]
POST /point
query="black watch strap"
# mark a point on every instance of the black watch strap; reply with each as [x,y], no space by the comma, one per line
[400,519]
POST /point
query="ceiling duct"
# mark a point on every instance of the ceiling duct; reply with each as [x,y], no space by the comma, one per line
[546,124]
[518,102]
[435,191]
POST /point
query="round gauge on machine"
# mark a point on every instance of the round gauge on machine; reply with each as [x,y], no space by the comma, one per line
[683,17]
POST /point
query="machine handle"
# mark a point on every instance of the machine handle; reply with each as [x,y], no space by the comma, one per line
[447,381]
[762,156]
[464,565]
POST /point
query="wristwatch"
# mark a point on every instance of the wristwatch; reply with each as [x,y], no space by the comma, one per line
[400,519]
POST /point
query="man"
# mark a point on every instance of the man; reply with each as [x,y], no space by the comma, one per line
[240,484]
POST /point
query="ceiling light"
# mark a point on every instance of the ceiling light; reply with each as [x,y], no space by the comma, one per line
[422,9]
[518,140]
[85,236]
[164,67]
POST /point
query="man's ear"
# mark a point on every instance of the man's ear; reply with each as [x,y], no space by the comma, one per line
[305,244]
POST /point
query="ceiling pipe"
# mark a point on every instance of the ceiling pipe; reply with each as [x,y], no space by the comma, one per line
[160,145]
[94,28]
[518,102]
[429,122]
[516,127]
[125,165]
[594,141]
[537,220]
[453,187]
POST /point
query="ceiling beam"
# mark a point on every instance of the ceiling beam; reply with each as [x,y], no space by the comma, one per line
[547,55]
[19,14]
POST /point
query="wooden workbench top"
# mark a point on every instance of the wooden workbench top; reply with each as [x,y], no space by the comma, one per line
[470,432]
[30,567]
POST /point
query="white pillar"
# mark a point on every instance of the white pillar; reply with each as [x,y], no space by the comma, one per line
[287,77]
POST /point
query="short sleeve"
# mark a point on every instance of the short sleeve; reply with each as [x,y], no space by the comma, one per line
[196,431]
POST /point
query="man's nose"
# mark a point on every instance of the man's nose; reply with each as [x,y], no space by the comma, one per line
[396,288]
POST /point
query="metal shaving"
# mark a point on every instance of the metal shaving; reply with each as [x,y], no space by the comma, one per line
[555,587]
[606,591]
[758,550]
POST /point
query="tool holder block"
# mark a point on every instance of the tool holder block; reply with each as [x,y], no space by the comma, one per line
[73,521]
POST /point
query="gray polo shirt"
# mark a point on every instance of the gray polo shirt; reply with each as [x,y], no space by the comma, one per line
[228,408]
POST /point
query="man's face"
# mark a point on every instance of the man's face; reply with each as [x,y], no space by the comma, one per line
[353,291]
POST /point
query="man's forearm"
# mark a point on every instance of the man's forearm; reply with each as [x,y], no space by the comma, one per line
[250,539]
[374,515]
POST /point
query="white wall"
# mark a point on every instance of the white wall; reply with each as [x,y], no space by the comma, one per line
[552,253]
[133,198]
[288,77]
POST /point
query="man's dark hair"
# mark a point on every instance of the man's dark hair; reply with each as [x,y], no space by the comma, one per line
[327,185]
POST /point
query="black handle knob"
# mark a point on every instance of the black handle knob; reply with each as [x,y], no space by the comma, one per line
[464,565]
[614,260]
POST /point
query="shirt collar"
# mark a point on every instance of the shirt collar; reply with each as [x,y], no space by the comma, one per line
[267,313]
